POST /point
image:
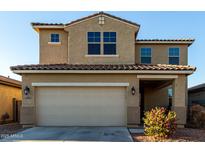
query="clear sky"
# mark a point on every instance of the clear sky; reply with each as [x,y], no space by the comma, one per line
[19,42]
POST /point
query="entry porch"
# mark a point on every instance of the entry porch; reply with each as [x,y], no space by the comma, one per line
[169,91]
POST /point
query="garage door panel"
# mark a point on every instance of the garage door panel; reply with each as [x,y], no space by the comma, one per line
[81,106]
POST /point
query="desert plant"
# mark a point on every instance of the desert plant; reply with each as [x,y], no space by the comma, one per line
[4,117]
[159,122]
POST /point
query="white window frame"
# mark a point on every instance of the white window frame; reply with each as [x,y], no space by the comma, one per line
[101,45]
[174,56]
[109,43]
[141,56]
[54,43]
[87,54]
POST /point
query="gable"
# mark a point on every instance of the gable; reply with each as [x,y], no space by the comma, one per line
[103,15]
[78,41]
[100,23]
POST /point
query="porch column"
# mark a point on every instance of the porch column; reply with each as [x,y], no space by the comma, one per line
[27,112]
[179,99]
[133,106]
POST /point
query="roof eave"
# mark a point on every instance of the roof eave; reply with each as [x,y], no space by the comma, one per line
[38,27]
[187,72]
[165,42]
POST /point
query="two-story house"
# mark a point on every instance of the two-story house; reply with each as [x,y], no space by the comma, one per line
[94,72]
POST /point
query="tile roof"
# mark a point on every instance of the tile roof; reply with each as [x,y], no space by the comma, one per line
[9,81]
[166,40]
[84,18]
[127,67]
[46,24]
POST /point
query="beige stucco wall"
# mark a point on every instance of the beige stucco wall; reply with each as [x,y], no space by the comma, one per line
[132,101]
[180,98]
[53,53]
[155,98]
[160,53]
[78,41]
[7,93]
[180,90]
[74,46]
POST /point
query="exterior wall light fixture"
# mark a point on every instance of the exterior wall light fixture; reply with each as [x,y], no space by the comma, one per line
[26,91]
[133,90]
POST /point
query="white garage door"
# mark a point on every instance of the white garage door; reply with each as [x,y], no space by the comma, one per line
[80,106]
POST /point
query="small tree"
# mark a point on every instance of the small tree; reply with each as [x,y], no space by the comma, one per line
[159,122]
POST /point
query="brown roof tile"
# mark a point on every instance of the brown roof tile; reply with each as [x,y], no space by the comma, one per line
[102,67]
[46,24]
[167,40]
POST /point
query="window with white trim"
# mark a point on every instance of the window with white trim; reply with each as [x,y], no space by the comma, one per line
[174,56]
[146,55]
[93,43]
[109,46]
[55,38]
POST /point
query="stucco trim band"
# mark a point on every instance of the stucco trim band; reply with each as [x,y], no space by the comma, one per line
[80,84]
[157,76]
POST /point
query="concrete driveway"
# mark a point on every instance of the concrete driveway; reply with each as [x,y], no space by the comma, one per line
[110,134]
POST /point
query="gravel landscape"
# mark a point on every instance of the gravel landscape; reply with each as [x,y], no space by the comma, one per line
[10,129]
[181,135]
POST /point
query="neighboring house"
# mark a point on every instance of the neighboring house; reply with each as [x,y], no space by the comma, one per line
[94,72]
[10,90]
[196,94]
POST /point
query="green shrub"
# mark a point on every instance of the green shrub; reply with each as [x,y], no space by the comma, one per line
[159,122]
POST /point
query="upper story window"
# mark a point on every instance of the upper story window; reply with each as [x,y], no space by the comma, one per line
[93,43]
[174,56]
[146,55]
[109,46]
[55,38]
